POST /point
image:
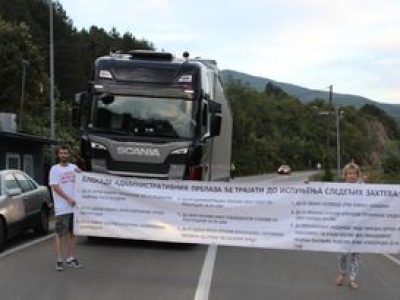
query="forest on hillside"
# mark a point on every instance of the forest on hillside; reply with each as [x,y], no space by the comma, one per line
[270,127]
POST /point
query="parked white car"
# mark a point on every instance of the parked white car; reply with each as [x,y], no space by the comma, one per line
[24,204]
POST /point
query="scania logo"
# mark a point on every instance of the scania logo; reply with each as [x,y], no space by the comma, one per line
[138,151]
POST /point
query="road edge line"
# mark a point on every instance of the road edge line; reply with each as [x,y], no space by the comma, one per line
[27,245]
[393,259]
[203,287]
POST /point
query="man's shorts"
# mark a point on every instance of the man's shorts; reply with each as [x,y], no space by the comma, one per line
[64,224]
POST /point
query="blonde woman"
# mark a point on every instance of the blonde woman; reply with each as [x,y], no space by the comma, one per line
[350,261]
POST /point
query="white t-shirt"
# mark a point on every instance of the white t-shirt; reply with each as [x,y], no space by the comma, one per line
[64,177]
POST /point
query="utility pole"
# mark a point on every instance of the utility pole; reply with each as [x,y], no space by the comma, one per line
[337,115]
[328,138]
[328,175]
[25,64]
[52,108]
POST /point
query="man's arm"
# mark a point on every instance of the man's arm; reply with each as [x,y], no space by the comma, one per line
[59,191]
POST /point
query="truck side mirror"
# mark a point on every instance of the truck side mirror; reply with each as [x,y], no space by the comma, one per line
[216,119]
[76,108]
[215,126]
[107,99]
[212,118]
[215,107]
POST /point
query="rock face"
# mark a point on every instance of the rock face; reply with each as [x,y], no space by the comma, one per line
[380,138]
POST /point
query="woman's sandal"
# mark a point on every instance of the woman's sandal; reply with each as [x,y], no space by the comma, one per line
[340,279]
[353,284]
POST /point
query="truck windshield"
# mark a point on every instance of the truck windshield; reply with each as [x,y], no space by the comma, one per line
[145,116]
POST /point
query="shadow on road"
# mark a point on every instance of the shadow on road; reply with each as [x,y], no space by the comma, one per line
[142,244]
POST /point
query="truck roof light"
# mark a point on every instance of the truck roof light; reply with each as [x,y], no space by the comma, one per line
[151,55]
[185,78]
[105,74]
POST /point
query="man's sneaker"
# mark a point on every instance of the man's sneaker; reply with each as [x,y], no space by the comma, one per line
[73,263]
[59,265]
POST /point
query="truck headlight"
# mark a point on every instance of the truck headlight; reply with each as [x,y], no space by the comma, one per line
[98,146]
[181,151]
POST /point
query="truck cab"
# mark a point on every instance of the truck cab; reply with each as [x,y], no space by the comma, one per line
[147,114]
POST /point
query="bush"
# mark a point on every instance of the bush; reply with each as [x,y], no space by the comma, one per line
[391,165]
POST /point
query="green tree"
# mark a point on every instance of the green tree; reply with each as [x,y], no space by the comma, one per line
[391,159]
[17,50]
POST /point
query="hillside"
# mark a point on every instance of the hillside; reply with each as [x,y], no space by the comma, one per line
[306,95]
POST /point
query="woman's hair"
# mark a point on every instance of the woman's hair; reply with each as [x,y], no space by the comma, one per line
[351,166]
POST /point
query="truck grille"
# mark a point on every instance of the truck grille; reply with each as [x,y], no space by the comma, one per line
[130,167]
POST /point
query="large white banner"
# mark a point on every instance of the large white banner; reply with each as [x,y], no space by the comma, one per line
[317,216]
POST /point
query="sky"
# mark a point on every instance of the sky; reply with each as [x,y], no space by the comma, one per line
[353,45]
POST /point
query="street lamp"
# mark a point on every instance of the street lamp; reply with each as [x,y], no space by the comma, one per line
[25,64]
[338,114]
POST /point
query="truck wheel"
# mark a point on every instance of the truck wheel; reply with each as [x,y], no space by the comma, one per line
[43,226]
[2,235]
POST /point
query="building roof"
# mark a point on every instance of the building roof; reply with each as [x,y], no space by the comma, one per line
[27,137]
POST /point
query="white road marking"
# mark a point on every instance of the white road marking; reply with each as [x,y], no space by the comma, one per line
[203,287]
[392,258]
[27,245]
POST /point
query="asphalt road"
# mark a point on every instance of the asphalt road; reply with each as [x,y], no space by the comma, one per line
[122,269]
